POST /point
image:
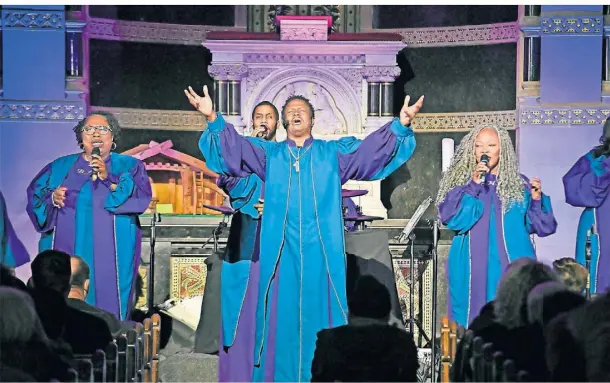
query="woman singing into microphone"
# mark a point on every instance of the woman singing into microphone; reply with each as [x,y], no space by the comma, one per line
[587,185]
[87,204]
[493,209]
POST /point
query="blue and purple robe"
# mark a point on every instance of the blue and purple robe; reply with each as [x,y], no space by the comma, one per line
[239,280]
[12,252]
[302,287]
[97,224]
[587,184]
[487,240]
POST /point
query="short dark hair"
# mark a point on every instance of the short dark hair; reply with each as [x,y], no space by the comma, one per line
[266,103]
[297,97]
[370,299]
[81,274]
[113,123]
[51,271]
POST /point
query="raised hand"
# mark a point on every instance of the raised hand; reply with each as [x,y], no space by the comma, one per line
[202,104]
[408,113]
[536,188]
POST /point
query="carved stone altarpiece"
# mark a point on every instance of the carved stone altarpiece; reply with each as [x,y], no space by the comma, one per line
[332,74]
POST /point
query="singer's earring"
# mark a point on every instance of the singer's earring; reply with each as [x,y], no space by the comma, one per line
[82,146]
[113,143]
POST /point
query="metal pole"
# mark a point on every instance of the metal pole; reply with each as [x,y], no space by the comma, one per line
[434,288]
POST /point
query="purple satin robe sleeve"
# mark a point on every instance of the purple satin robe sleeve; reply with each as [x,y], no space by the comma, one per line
[226,183]
[229,153]
[378,155]
[587,184]
[40,207]
[133,192]
[450,207]
[540,217]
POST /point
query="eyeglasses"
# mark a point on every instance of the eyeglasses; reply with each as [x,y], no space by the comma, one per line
[101,129]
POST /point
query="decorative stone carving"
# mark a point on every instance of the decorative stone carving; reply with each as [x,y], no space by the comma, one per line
[273,58]
[32,19]
[256,75]
[428,122]
[227,71]
[353,77]
[590,25]
[304,30]
[563,116]
[60,110]
[156,119]
[337,105]
[460,35]
[107,29]
[303,10]
[380,73]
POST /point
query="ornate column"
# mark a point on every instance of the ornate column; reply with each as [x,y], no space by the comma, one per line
[227,91]
[380,95]
[77,53]
[562,52]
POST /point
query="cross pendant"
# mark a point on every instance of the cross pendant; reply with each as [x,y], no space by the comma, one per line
[296,166]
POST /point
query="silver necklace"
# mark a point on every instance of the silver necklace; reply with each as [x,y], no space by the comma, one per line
[297,159]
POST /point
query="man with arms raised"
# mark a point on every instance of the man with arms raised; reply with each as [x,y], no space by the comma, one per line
[302,268]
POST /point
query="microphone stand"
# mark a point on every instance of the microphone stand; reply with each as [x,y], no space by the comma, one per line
[434,301]
[588,264]
[216,233]
[151,268]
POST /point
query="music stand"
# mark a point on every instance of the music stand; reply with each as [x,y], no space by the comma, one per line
[226,213]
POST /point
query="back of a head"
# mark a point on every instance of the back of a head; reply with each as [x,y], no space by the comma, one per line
[573,274]
[510,304]
[80,271]
[51,271]
[549,299]
[9,280]
[370,299]
[20,322]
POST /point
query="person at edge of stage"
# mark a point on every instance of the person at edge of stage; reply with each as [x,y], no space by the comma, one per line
[12,251]
[88,205]
[302,287]
[587,184]
[238,277]
[493,210]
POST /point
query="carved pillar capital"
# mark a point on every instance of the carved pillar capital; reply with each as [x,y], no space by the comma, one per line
[233,72]
[381,73]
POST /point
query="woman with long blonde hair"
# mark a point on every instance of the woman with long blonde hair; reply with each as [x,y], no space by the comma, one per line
[493,209]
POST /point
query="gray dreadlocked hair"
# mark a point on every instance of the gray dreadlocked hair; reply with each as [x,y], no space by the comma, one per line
[510,183]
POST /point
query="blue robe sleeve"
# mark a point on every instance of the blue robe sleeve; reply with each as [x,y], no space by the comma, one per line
[540,218]
[12,251]
[378,155]
[587,183]
[243,192]
[40,207]
[461,208]
[133,192]
[228,153]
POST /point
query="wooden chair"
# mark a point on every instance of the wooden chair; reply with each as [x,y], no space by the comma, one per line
[112,362]
[140,353]
[461,367]
[98,359]
[147,350]
[156,347]
[121,342]
[131,356]
[449,341]
[84,367]
[72,375]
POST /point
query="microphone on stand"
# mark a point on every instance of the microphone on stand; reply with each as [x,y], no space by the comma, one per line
[95,152]
[485,160]
[588,262]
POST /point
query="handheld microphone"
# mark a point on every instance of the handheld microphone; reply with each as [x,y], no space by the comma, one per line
[485,160]
[95,152]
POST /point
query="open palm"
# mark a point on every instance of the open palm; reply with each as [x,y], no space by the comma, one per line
[202,104]
[408,113]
